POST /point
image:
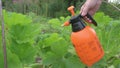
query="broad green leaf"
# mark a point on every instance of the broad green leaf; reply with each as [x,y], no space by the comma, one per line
[12,60]
[50,58]
[102,19]
[25,52]
[73,62]
[59,47]
[55,23]
[116,63]
[26,33]
[59,64]
[50,40]
[12,18]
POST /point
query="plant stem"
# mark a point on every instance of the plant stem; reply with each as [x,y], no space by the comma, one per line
[3,36]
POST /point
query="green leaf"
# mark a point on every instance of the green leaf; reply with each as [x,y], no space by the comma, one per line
[58,64]
[116,63]
[55,23]
[59,47]
[26,33]
[12,18]
[73,62]
[53,60]
[50,40]
[25,52]
[57,44]
[102,19]
[50,58]
[12,60]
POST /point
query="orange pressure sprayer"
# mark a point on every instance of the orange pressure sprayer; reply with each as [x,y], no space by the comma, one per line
[84,39]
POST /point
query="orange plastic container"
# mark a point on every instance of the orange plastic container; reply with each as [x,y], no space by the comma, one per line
[87,46]
[85,40]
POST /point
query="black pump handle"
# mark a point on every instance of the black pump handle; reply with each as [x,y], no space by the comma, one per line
[89,16]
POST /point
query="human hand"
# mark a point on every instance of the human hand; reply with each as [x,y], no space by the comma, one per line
[90,6]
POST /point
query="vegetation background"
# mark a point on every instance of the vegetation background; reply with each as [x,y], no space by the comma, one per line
[35,38]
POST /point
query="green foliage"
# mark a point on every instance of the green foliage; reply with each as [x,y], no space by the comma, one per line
[22,34]
[29,36]
[110,10]
[25,52]
[28,33]
[55,8]
[102,19]
[108,32]
[12,18]
[47,8]
[20,38]
[55,48]
[73,62]
[12,59]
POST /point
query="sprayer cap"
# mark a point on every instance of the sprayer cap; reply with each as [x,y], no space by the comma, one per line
[77,23]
